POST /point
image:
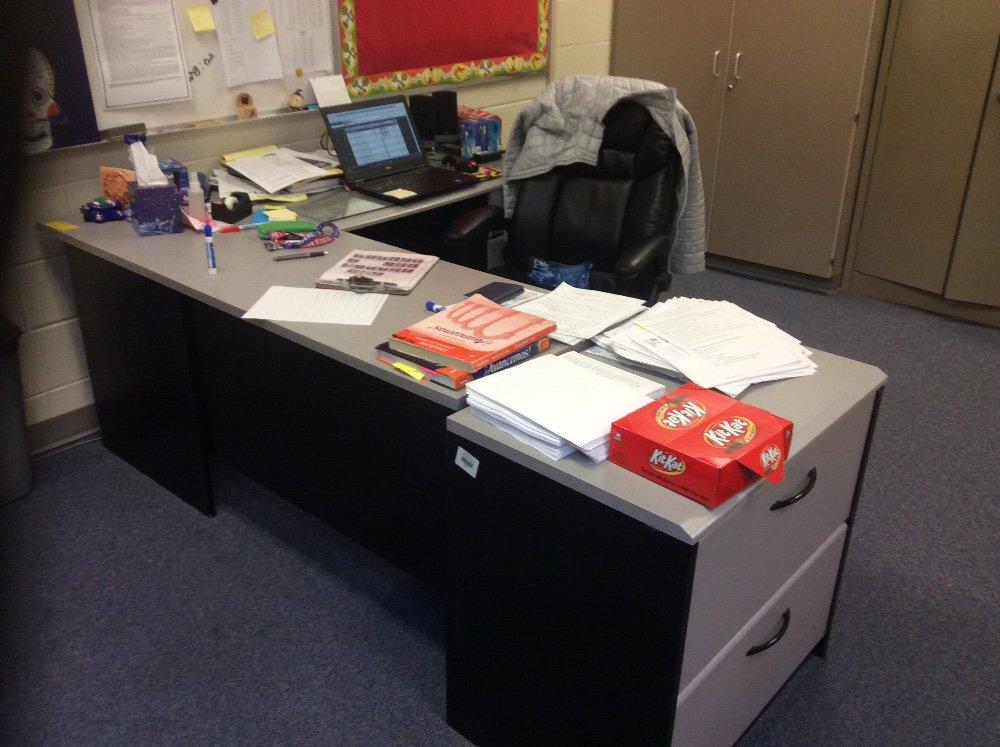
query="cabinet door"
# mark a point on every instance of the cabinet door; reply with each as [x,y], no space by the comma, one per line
[788,131]
[942,59]
[683,44]
[975,266]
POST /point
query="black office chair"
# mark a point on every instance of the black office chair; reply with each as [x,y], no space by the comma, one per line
[618,214]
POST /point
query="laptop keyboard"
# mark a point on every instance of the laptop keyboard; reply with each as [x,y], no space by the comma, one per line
[398,181]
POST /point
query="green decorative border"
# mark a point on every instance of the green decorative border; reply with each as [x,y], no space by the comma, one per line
[459,72]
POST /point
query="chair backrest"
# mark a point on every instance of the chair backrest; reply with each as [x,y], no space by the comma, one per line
[580,212]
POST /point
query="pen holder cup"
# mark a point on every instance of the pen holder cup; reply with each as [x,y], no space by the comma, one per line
[155,210]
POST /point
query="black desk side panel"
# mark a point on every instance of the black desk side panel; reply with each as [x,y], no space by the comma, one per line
[143,373]
[359,453]
[566,618]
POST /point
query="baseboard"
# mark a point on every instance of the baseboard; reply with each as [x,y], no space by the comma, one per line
[772,274]
[867,285]
[58,431]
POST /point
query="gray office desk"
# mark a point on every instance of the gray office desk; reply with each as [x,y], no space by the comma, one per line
[323,205]
[303,408]
[589,604]
[585,603]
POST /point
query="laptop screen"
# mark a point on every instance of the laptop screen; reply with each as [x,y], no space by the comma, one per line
[373,135]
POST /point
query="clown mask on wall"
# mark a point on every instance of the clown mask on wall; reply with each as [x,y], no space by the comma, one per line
[40,107]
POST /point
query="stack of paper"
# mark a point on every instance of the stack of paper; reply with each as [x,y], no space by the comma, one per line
[581,314]
[560,403]
[270,172]
[715,344]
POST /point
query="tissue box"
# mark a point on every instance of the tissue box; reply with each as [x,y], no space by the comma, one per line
[155,210]
[169,167]
[702,444]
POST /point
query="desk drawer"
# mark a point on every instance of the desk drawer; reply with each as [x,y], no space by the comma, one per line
[747,559]
[722,701]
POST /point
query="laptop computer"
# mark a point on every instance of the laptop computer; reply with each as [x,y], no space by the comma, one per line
[380,152]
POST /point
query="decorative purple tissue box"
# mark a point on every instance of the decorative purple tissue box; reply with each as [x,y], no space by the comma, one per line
[155,210]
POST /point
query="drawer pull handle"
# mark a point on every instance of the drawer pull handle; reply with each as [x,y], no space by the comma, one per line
[786,618]
[786,502]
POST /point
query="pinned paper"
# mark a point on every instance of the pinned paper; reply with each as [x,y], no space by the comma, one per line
[282,213]
[60,225]
[410,371]
[201,18]
[330,90]
[400,194]
[261,23]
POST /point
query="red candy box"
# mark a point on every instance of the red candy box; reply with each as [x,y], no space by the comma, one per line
[702,444]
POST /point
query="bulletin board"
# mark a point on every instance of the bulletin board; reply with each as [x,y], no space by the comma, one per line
[393,45]
[386,46]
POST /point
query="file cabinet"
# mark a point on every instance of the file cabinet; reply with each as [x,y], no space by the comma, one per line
[587,604]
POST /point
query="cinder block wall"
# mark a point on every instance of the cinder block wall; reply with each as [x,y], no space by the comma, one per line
[36,291]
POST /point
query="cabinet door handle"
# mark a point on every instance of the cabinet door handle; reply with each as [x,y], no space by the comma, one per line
[786,502]
[736,71]
[715,63]
[786,617]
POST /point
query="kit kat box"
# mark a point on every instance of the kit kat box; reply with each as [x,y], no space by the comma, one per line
[702,444]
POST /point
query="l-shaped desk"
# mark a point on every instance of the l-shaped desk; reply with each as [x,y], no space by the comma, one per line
[586,604]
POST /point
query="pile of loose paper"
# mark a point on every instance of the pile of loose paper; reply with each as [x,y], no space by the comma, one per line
[715,344]
[560,403]
[580,314]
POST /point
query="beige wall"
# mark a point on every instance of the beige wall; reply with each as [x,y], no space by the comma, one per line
[36,291]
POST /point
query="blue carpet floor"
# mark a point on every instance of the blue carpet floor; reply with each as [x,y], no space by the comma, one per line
[128,618]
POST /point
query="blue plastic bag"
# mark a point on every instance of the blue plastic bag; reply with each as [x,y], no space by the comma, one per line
[552,274]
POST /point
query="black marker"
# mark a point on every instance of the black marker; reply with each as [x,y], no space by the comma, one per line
[283,257]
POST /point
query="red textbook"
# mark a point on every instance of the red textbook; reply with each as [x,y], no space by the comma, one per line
[471,334]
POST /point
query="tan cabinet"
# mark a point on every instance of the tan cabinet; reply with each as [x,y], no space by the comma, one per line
[928,225]
[777,117]
[932,93]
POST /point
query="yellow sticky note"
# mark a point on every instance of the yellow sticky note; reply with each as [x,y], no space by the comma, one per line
[201,18]
[261,23]
[416,373]
[278,198]
[280,214]
[400,194]
[60,225]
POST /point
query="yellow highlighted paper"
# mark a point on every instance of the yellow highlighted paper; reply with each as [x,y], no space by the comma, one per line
[416,373]
[400,194]
[281,213]
[261,24]
[258,151]
[60,225]
[201,18]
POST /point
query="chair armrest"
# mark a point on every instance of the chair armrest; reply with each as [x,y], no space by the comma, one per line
[642,255]
[473,223]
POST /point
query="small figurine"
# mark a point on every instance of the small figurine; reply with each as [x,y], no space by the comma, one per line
[297,102]
[244,106]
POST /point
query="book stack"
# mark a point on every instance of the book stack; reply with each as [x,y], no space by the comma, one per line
[466,341]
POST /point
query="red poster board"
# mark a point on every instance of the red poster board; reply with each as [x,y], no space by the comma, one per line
[394,45]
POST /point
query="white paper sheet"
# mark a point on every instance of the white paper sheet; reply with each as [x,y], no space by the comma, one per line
[581,314]
[558,400]
[283,304]
[274,172]
[139,49]
[244,58]
[305,39]
[330,90]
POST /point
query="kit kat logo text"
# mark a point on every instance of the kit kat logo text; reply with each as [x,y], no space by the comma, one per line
[666,463]
[681,414]
[730,433]
[770,457]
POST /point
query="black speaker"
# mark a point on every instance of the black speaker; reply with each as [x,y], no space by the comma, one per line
[422,111]
[445,116]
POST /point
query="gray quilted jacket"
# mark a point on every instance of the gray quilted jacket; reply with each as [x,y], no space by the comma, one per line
[563,126]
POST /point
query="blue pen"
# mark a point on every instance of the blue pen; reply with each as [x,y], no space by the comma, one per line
[435,307]
[210,250]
